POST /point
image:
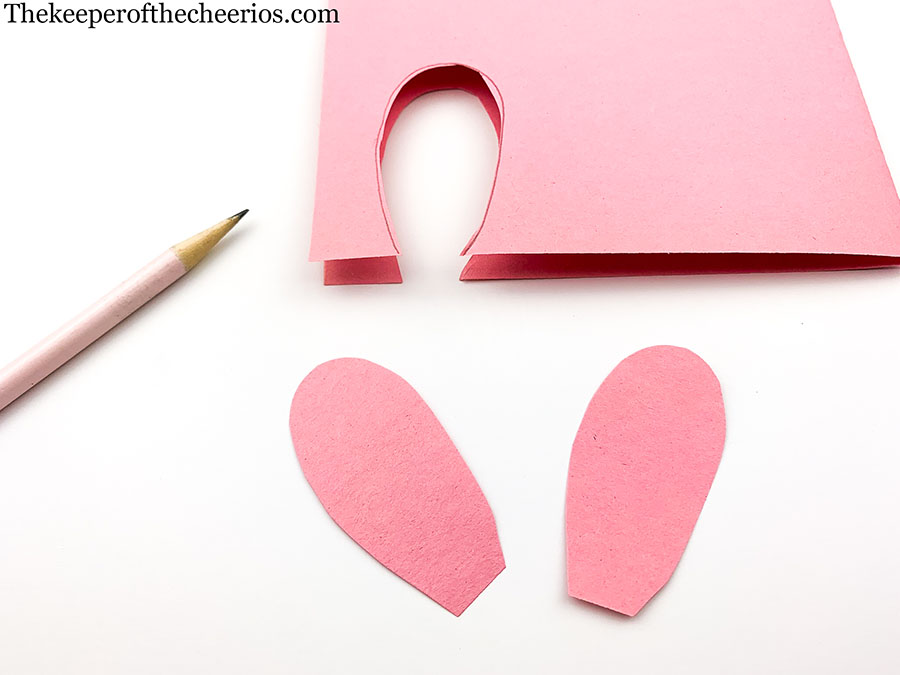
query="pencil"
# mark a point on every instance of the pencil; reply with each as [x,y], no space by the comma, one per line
[55,350]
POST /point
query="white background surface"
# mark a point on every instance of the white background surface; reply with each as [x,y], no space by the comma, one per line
[153,517]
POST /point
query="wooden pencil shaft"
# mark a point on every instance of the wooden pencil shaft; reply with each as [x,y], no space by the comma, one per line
[55,350]
[98,319]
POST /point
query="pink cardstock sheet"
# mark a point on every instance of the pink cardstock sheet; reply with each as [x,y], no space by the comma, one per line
[388,474]
[642,465]
[635,136]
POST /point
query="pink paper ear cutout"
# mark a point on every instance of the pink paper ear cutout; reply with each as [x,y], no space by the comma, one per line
[643,137]
[388,474]
[642,465]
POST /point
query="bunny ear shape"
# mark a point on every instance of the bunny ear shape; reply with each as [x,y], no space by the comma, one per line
[389,475]
[642,465]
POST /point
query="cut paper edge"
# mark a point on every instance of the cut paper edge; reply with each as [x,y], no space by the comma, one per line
[360,271]
[499,267]
[458,610]
[642,465]
[586,265]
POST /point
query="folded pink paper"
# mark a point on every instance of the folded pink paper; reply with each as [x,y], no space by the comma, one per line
[642,465]
[636,137]
[390,477]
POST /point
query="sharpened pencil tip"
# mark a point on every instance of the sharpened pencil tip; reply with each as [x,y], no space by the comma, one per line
[193,250]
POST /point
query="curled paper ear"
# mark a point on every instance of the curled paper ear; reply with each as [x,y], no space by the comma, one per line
[642,465]
[364,228]
[389,475]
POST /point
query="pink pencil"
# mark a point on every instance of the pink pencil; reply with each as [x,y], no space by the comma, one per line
[55,350]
